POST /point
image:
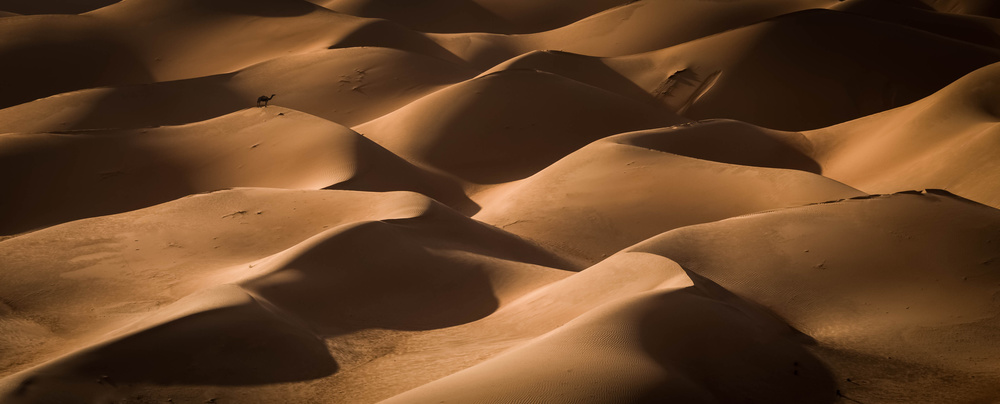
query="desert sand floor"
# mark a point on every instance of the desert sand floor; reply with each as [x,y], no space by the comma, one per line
[500,201]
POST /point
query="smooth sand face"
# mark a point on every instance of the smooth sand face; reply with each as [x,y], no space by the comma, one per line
[485,201]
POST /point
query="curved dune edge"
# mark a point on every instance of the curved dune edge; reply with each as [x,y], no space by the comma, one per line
[942,141]
[74,175]
[499,200]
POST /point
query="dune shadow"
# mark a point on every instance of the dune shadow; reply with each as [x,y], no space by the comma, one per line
[376,276]
[414,274]
[161,104]
[39,69]
[281,8]
[77,175]
[447,16]
[237,345]
[730,142]
[388,34]
[589,70]
[738,350]
[26,7]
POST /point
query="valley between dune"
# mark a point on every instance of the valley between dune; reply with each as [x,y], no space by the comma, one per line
[500,201]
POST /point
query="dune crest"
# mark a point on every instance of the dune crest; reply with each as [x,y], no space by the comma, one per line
[427,201]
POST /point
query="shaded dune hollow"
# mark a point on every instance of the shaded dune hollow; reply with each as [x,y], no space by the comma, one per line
[498,201]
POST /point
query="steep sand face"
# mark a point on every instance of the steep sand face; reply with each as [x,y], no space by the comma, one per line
[618,353]
[72,175]
[497,16]
[969,28]
[498,201]
[621,190]
[135,262]
[40,49]
[635,27]
[349,86]
[945,141]
[416,235]
[858,276]
[471,131]
[744,73]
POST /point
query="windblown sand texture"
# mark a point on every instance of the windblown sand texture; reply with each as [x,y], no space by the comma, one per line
[500,201]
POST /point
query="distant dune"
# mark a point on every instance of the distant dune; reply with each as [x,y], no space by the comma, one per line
[491,201]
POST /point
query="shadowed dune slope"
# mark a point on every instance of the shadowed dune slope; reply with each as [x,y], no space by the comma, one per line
[135,262]
[470,130]
[53,7]
[837,72]
[498,16]
[653,347]
[492,201]
[188,38]
[73,175]
[38,49]
[947,140]
[914,14]
[448,270]
[434,270]
[985,8]
[636,27]
[858,276]
[621,190]
[347,86]
[139,41]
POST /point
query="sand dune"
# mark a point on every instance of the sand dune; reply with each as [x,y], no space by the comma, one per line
[623,189]
[348,86]
[39,49]
[474,16]
[139,41]
[741,74]
[499,201]
[504,267]
[847,273]
[913,13]
[983,8]
[74,175]
[944,141]
[635,27]
[469,130]
[616,353]
[158,255]
[52,7]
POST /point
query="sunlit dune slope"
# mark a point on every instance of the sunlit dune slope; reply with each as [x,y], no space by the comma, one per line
[636,27]
[139,41]
[403,246]
[504,126]
[72,175]
[499,16]
[947,140]
[137,261]
[492,201]
[348,86]
[800,71]
[859,277]
[623,189]
[674,344]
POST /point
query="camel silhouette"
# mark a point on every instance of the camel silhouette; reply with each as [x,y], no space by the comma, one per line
[264,99]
